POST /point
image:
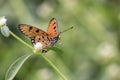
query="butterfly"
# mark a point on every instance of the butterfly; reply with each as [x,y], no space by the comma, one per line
[39,38]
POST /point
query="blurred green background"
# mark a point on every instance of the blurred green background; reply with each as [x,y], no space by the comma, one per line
[91,49]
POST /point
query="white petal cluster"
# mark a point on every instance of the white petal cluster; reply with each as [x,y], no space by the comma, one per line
[38,46]
[3,20]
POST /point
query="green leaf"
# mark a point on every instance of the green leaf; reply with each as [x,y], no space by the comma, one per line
[5,31]
[14,68]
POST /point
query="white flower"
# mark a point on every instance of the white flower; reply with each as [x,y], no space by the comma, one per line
[3,21]
[112,71]
[38,46]
[106,51]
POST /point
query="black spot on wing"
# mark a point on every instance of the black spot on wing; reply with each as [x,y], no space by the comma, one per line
[45,43]
[39,38]
[54,27]
[30,28]
[47,35]
[48,38]
[37,30]
[53,23]
[19,26]
[43,37]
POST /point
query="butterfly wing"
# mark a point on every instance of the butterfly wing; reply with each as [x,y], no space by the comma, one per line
[31,31]
[36,35]
[53,28]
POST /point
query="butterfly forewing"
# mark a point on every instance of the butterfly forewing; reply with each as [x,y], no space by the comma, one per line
[53,28]
[31,31]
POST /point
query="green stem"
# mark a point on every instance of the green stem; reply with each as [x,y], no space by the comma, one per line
[21,40]
[53,66]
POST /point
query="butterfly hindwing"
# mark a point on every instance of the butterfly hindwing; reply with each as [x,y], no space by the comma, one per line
[53,28]
[45,40]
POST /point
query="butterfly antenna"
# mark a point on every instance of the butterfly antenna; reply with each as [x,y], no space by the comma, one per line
[66,30]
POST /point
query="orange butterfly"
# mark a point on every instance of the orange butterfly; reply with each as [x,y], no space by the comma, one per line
[39,38]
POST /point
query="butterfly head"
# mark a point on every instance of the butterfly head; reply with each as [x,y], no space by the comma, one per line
[55,39]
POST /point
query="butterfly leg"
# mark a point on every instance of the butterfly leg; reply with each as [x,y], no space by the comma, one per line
[44,50]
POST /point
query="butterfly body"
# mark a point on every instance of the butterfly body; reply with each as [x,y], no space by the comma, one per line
[39,38]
